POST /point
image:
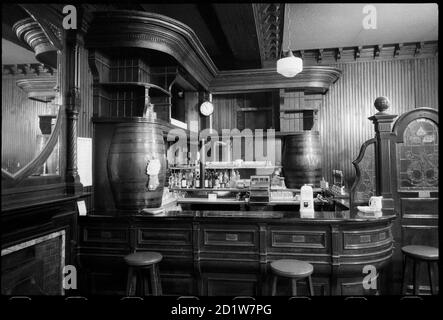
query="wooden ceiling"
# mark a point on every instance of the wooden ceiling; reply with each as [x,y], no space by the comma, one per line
[227,30]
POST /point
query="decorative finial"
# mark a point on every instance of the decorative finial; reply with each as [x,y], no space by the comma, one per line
[382,104]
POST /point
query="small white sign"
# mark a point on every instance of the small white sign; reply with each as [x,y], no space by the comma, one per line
[424,194]
[81,206]
[212,197]
[84,161]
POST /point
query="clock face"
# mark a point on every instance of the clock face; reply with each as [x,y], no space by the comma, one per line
[206,108]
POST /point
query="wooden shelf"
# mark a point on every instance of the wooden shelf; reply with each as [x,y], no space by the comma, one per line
[135,84]
[206,201]
[211,189]
[211,167]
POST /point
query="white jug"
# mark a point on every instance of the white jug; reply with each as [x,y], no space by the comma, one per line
[376,203]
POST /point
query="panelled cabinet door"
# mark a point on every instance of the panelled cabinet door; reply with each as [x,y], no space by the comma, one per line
[417,178]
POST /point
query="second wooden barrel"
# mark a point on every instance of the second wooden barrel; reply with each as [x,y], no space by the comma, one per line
[302,159]
[135,143]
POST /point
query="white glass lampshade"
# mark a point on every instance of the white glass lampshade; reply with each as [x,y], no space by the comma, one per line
[289,66]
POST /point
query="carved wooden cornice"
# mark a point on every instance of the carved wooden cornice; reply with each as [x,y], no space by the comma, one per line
[314,79]
[29,31]
[269,24]
[39,88]
[27,69]
[49,18]
[126,28]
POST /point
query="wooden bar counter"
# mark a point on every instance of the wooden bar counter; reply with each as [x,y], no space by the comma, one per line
[228,252]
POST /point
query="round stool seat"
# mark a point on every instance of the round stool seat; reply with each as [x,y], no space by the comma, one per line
[141,259]
[292,268]
[421,252]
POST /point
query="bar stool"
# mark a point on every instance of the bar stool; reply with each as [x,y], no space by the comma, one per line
[138,263]
[293,269]
[419,254]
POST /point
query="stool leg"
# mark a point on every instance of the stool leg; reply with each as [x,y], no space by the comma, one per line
[294,287]
[311,287]
[416,275]
[431,277]
[154,283]
[146,284]
[131,283]
[159,282]
[274,285]
[404,279]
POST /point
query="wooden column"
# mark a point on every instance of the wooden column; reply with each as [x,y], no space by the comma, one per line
[72,100]
[384,152]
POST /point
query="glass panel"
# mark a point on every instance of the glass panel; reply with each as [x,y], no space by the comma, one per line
[417,156]
[366,188]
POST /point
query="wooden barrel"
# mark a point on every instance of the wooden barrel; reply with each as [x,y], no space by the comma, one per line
[302,159]
[134,144]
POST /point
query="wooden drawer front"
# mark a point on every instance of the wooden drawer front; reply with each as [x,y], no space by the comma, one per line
[230,284]
[366,239]
[298,239]
[105,235]
[230,237]
[164,236]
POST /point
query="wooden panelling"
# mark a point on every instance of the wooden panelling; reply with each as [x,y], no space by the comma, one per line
[86,95]
[229,284]
[353,240]
[297,239]
[419,208]
[164,236]
[100,234]
[20,124]
[244,238]
[343,119]
[419,234]
[84,124]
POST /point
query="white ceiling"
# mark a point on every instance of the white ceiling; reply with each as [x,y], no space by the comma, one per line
[14,54]
[315,26]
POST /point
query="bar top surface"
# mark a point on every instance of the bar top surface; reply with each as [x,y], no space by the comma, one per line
[265,216]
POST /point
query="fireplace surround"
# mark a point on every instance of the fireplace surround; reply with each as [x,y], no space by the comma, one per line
[34,267]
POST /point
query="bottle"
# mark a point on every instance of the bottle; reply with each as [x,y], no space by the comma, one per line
[197,180]
[183,181]
[216,181]
[170,181]
[206,180]
[210,180]
[226,178]
[191,180]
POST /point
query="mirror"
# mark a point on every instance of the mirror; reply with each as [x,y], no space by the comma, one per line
[31,115]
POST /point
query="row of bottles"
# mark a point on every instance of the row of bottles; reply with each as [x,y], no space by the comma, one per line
[184,179]
[212,179]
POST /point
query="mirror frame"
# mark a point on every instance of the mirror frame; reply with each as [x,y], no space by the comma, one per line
[57,42]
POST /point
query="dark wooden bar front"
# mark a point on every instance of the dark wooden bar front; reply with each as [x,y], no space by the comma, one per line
[228,252]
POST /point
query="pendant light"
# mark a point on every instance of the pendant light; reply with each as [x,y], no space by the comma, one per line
[290,65]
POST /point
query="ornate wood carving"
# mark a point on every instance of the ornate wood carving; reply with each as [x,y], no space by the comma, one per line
[50,21]
[73,103]
[39,88]
[384,152]
[269,24]
[368,53]
[152,31]
[29,31]
[315,79]
[25,69]
[364,184]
